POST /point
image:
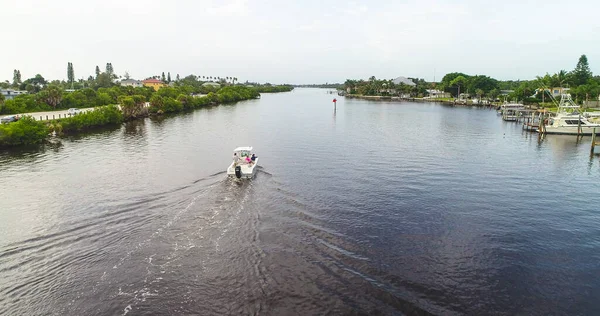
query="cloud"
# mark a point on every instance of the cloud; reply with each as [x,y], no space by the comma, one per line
[229,8]
[356,9]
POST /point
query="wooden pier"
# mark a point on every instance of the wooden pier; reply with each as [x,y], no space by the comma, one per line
[535,120]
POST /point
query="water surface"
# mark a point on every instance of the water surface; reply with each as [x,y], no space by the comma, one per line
[379,208]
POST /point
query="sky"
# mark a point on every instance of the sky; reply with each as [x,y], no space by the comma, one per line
[298,42]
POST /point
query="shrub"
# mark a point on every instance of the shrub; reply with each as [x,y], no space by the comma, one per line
[172,105]
[25,131]
[133,106]
[100,116]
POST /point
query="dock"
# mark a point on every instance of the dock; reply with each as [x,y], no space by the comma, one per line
[535,120]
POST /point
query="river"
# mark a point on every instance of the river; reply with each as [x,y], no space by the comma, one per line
[386,208]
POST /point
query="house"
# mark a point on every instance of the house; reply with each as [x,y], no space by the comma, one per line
[10,94]
[404,80]
[131,83]
[153,83]
[558,91]
[433,93]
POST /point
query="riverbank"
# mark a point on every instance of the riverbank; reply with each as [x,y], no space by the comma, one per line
[28,131]
[447,101]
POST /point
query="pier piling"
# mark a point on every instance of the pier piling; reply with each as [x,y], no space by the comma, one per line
[594,143]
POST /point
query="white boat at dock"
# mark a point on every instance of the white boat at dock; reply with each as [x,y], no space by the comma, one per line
[244,163]
[569,120]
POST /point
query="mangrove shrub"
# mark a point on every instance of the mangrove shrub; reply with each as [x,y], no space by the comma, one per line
[100,116]
[25,131]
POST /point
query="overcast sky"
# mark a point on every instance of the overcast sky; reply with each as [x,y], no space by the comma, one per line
[305,41]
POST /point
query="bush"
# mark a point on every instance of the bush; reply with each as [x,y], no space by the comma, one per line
[100,116]
[530,100]
[172,105]
[23,104]
[25,131]
[133,106]
[200,101]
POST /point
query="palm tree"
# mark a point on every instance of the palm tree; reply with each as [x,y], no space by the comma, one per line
[479,93]
[52,96]
[562,77]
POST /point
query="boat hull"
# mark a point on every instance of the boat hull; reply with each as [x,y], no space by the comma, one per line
[571,130]
[247,171]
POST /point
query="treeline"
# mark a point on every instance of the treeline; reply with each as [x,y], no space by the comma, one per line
[267,88]
[324,85]
[53,97]
[105,89]
[580,81]
[374,86]
[100,79]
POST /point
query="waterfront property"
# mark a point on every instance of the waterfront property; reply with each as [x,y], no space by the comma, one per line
[131,83]
[558,91]
[434,93]
[404,80]
[153,83]
[10,94]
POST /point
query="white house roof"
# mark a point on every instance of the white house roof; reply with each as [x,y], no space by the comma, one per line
[248,148]
[213,84]
[130,81]
[404,80]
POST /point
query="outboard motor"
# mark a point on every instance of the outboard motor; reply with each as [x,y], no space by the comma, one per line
[238,172]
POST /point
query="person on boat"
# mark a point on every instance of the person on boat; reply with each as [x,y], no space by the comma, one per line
[253,158]
[236,159]
[248,160]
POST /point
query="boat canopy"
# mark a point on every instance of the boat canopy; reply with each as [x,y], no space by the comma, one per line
[239,149]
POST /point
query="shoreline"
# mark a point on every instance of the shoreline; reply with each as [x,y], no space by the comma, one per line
[442,101]
[34,132]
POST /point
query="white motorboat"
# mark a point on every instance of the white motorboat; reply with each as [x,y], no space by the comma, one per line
[568,120]
[243,166]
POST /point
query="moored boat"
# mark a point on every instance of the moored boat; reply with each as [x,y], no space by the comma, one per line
[568,120]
